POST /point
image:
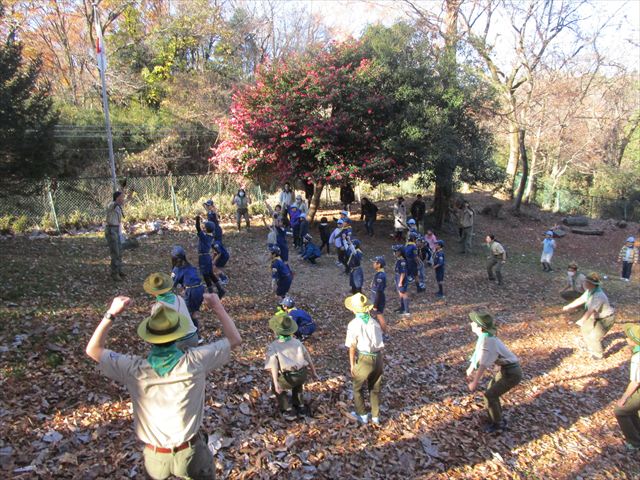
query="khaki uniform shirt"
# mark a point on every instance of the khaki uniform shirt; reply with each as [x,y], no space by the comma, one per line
[287,356]
[114,214]
[494,351]
[366,336]
[635,367]
[576,283]
[599,302]
[168,410]
[467,218]
[496,249]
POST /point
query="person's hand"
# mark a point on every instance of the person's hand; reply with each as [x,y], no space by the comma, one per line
[197,217]
[620,403]
[353,371]
[470,370]
[316,376]
[212,300]
[277,388]
[472,385]
[565,308]
[118,305]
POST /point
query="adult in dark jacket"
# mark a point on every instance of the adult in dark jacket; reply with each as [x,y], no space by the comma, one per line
[368,212]
[347,196]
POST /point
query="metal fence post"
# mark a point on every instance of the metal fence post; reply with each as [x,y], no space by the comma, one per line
[52,205]
[173,197]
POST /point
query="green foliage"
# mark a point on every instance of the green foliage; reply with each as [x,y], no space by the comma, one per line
[27,116]
[5,224]
[21,224]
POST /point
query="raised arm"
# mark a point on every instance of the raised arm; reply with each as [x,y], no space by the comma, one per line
[228,326]
[95,347]
[198,228]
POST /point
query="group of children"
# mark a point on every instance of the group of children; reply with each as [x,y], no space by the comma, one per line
[289,362]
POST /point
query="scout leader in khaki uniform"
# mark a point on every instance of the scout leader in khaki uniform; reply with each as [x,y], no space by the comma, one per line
[112,234]
[496,259]
[365,343]
[491,351]
[167,388]
[574,286]
[599,315]
[628,407]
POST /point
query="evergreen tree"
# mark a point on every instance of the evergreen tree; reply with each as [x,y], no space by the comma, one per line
[27,116]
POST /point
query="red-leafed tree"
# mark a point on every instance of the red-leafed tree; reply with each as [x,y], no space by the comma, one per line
[320,116]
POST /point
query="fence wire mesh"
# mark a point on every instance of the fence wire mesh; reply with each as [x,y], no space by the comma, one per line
[79,202]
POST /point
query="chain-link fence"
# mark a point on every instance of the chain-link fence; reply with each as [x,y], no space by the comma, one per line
[80,202]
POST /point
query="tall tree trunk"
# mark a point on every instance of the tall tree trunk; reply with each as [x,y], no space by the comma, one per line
[315,199]
[529,193]
[525,170]
[442,198]
[514,156]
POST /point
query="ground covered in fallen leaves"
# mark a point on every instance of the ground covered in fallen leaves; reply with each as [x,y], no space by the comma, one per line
[60,419]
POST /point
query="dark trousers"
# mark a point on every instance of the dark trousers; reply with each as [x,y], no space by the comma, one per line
[494,268]
[293,381]
[368,224]
[626,270]
[628,419]
[508,377]
[325,242]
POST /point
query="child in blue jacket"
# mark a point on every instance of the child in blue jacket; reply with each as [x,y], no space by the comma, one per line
[354,265]
[438,267]
[186,276]
[281,276]
[205,240]
[220,259]
[306,324]
[310,251]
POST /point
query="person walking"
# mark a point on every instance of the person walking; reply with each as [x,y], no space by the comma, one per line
[599,315]
[167,388]
[112,233]
[628,256]
[496,258]
[491,351]
[368,212]
[575,283]
[286,200]
[628,407]
[418,209]
[467,217]
[242,202]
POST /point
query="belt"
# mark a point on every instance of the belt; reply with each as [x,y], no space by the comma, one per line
[511,365]
[201,254]
[179,448]
[194,286]
[370,354]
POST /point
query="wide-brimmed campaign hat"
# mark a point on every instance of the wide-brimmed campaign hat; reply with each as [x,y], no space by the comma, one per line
[594,279]
[163,326]
[484,320]
[157,284]
[573,266]
[283,324]
[358,303]
[632,330]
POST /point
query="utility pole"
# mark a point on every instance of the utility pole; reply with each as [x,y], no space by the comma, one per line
[102,67]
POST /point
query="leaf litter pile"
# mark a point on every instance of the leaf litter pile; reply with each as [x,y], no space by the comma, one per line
[59,418]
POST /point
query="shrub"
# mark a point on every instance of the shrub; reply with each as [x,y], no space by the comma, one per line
[22,224]
[5,224]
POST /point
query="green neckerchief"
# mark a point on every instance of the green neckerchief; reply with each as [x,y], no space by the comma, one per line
[636,349]
[163,359]
[476,351]
[168,297]
[590,294]
[284,338]
[365,317]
